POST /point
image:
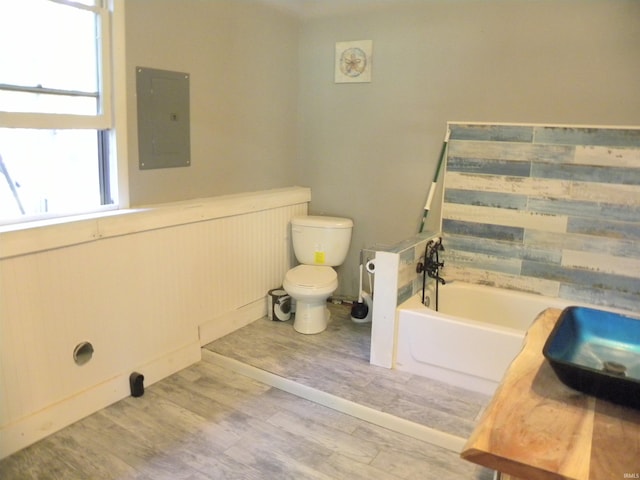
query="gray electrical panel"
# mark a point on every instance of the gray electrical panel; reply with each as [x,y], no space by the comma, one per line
[163,118]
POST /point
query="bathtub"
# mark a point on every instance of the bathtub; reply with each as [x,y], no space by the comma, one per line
[472,339]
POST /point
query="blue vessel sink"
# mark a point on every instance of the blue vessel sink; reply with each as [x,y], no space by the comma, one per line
[598,353]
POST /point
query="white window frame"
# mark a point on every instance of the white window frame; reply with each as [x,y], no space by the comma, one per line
[103,119]
[111,78]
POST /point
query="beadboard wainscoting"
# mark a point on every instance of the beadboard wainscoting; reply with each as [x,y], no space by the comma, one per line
[146,288]
[552,210]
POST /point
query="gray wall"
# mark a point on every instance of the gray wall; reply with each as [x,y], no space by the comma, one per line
[369,151]
[266,112]
[242,58]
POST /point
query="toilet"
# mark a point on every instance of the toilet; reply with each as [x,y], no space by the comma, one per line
[319,244]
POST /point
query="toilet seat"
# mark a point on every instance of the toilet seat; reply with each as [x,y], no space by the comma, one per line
[311,279]
[310,286]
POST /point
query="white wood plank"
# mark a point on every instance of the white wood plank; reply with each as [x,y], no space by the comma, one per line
[607,156]
[606,192]
[517,185]
[600,262]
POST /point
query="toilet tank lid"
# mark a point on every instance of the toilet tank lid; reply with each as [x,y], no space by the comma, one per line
[322,222]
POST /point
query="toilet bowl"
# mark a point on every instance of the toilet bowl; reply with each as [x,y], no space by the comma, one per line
[319,243]
[310,286]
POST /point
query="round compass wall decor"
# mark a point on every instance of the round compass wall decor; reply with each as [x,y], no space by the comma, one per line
[353,61]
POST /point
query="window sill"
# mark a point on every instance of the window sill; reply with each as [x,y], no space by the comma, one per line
[26,238]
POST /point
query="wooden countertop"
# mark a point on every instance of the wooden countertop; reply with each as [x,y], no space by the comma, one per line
[536,428]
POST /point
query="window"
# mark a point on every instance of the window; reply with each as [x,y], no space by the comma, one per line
[55,108]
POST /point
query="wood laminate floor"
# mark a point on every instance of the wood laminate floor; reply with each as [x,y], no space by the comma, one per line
[207,422]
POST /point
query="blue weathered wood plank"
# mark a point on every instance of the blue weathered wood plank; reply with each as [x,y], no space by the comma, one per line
[523,152]
[587,173]
[577,276]
[486,199]
[503,133]
[601,297]
[502,248]
[483,230]
[614,137]
[582,209]
[489,167]
[604,228]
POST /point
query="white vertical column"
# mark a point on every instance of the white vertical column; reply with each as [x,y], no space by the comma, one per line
[385,300]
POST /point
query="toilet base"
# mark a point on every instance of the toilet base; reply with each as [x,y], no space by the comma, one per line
[311,318]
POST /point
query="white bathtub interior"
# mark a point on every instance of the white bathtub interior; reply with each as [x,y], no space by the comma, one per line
[491,305]
[472,339]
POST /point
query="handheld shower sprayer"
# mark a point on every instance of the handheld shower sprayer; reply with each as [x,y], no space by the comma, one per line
[431,266]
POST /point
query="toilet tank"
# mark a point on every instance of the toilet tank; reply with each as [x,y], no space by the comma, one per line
[321,240]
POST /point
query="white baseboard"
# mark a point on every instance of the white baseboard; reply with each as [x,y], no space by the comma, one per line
[22,433]
[232,321]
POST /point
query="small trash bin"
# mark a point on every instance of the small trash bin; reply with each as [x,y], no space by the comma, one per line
[279,305]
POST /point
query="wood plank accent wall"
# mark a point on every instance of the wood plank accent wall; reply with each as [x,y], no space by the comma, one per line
[551,210]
